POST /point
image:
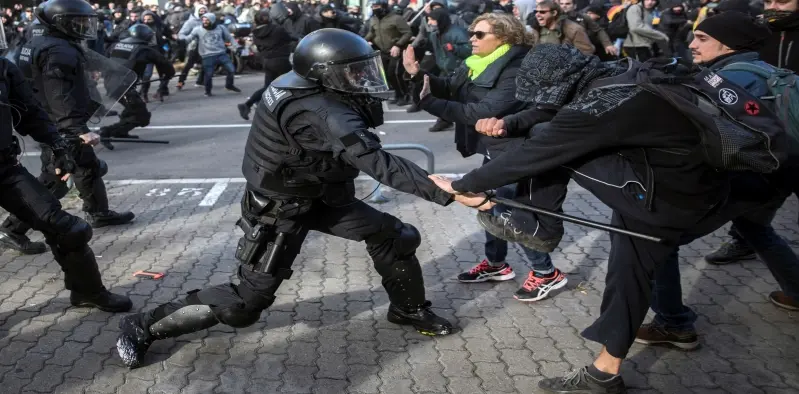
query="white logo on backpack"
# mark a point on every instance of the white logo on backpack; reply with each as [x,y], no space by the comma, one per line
[728,96]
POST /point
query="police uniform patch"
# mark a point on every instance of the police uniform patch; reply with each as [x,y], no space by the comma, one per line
[273,96]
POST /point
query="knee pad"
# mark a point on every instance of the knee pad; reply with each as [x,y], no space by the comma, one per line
[72,231]
[238,316]
[102,168]
[408,240]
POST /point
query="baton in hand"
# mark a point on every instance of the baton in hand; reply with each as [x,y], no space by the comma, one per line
[576,220]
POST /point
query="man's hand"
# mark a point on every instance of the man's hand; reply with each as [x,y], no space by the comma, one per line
[477,201]
[395,51]
[491,127]
[409,61]
[443,183]
[612,50]
[63,163]
[90,138]
[425,88]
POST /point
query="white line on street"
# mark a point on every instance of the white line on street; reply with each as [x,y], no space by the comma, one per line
[213,194]
[247,125]
[183,181]
[386,109]
[31,153]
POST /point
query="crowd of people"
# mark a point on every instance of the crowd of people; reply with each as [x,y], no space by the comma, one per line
[547,92]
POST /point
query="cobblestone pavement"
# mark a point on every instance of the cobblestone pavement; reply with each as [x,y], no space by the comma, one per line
[327,332]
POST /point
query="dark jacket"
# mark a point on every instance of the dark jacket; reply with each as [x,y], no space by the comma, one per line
[750,82]
[389,31]
[299,25]
[450,43]
[272,41]
[779,50]
[464,101]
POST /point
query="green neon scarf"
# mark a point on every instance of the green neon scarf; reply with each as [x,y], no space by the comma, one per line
[478,64]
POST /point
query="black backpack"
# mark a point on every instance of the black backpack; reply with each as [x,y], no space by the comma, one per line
[738,132]
[617,28]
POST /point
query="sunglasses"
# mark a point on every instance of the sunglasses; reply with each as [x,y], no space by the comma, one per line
[479,34]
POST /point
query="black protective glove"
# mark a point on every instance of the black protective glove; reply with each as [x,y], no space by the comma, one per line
[62,160]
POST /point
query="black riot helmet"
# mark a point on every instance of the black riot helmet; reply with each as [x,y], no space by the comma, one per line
[262,17]
[339,60]
[278,12]
[75,18]
[141,32]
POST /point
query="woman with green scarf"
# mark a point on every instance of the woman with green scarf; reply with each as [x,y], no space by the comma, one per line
[485,87]
[482,87]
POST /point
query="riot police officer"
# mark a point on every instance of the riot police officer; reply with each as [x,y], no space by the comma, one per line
[54,65]
[26,198]
[135,53]
[307,144]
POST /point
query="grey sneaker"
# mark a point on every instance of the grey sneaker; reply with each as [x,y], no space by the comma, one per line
[502,228]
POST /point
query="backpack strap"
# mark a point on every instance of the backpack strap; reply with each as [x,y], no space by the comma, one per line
[749,67]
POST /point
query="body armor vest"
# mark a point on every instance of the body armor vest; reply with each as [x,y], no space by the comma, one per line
[29,64]
[274,161]
[126,52]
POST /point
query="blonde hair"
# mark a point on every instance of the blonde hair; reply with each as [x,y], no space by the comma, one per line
[506,27]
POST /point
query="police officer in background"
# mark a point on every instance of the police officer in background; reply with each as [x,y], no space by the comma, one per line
[135,52]
[54,65]
[26,198]
[307,144]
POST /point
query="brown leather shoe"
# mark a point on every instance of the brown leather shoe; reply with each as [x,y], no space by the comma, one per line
[781,300]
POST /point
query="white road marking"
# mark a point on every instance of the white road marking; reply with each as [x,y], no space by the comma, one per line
[213,194]
[31,153]
[386,109]
[247,125]
[183,181]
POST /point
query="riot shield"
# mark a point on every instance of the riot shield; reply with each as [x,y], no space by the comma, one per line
[108,81]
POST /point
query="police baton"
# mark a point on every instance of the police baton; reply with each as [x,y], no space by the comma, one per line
[576,220]
[134,140]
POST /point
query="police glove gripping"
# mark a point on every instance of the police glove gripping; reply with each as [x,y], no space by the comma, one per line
[62,162]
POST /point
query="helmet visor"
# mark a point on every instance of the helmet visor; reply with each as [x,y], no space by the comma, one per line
[78,26]
[361,77]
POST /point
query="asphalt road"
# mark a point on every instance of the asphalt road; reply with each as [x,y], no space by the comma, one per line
[207,137]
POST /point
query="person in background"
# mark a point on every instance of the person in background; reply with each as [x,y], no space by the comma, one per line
[451,46]
[639,42]
[553,27]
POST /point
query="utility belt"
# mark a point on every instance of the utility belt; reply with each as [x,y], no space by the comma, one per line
[262,241]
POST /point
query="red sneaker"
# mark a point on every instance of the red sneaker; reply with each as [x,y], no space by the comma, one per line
[537,287]
[484,272]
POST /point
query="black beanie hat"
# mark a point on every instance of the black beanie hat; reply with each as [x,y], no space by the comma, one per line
[736,30]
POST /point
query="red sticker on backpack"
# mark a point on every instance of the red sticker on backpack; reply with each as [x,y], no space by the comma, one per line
[752,108]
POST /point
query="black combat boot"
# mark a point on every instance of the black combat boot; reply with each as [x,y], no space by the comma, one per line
[104,300]
[166,321]
[21,243]
[422,319]
[108,218]
[244,111]
[441,125]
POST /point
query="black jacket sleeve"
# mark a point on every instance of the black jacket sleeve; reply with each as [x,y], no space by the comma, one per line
[569,136]
[345,133]
[29,117]
[520,123]
[66,89]
[500,99]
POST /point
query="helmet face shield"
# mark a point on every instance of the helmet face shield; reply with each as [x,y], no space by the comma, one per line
[78,26]
[358,77]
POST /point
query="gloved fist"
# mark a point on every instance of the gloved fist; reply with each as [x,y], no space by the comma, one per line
[63,163]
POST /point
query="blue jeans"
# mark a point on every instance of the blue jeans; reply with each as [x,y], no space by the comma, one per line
[210,63]
[752,227]
[497,249]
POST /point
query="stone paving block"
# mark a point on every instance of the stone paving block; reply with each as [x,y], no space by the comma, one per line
[327,331]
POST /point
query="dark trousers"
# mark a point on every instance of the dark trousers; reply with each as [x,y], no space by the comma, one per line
[193,58]
[273,68]
[387,243]
[496,250]
[754,229]
[134,114]
[87,178]
[25,198]
[394,69]
[210,63]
